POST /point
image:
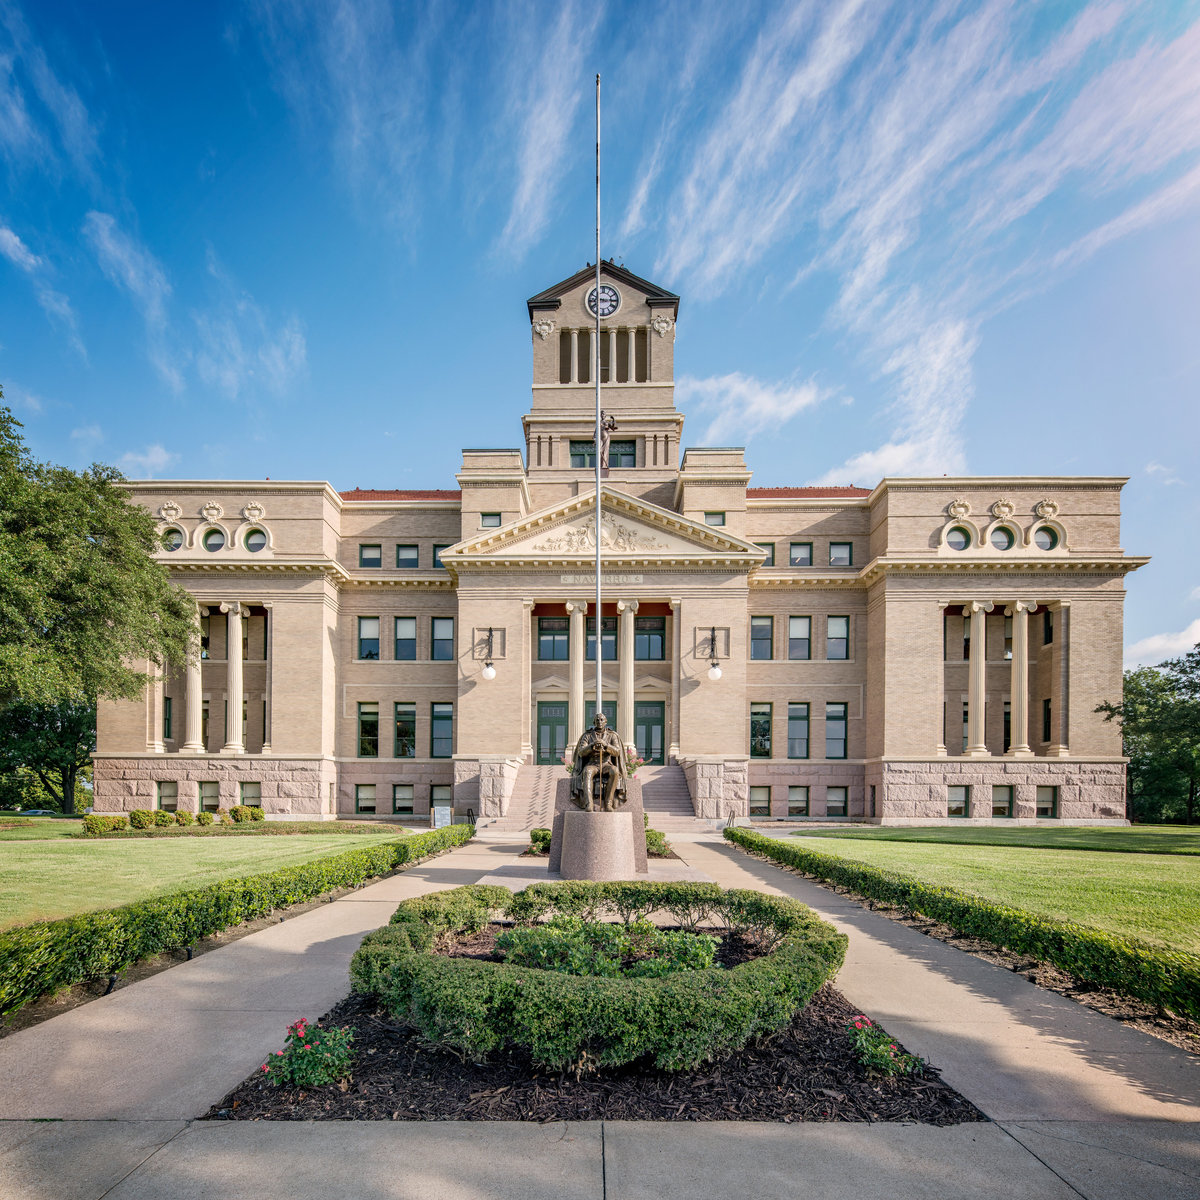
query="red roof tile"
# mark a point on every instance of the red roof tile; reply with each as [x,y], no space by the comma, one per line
[805,493]
[377,494]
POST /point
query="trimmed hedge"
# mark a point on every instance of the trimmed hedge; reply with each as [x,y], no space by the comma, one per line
[1168,978]
[657,845]
[44,957]
[104,822]
[584,1023]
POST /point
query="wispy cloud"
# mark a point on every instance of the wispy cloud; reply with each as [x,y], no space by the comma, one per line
[53,302]
[740,406]
[1151,651]
[147,463]
[22,400]
[1163,474]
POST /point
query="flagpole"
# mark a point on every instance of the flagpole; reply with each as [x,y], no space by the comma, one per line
[596,442]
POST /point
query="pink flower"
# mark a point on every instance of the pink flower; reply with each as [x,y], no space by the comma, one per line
[308,1047]
[857,1024]
[265,1067]
[278,1053]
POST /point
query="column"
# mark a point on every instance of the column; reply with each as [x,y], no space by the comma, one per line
[233,678]
[1019,610]
[676,675]
[574,355]
[612,356]
[154,709]
[940,751]
[269,638]
[977,679]
[1060,690]
[527,642]
[193,697]
[631,357]
[627,610]
[576,648]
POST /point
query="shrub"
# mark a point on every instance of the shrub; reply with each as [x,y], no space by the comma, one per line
[163,818]
[183,817]
[204,818]
[256,813]
[239,813]
[95,823]
[876,1050]
[141,818]
[587,1022]
[657,845]
[49,955]
[222,817]
[539,841]
[1170,978]
[311,1057]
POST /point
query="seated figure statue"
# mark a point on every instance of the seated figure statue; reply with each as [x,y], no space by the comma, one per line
[599,753]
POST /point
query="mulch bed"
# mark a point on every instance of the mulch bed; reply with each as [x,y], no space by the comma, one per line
[806,1072]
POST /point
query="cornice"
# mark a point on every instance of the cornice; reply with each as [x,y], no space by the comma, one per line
[1114,565]
[940,483]
[760,581]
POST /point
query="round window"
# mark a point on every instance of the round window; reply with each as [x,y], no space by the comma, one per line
[1045,538]
[214,539]
[1002,538]
[958,538]
[255,540]
[173,539]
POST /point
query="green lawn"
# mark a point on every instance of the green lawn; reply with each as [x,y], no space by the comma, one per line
[40,829]
[46,879]
[1135,839]
[1154,897]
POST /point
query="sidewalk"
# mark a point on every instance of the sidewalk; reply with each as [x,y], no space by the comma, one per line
[1080,1105]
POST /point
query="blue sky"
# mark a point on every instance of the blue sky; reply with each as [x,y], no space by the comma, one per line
[294,239]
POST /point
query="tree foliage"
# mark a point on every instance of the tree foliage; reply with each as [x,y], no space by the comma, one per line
[54,741]
[83,603]
[1160,729]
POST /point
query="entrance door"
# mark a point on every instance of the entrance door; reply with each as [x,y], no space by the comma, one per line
[551,730]
[648,731]
[609,710]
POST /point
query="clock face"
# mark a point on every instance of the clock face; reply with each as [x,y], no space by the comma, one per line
[609,300]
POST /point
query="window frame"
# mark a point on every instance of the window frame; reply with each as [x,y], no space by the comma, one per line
[769,547]
[965,788]
[401,646]
[250,801]
[584,450]
[403,564]
[830,638]
[757,642]
[645,631]
[792,547]
[437,720]
[159,796]
[359,655]
[714,519]
[490,520]
[807,640]
[1037,811]
[1012,800]
[849,554]
[365,546]
[761,810]
[412,800]
[844,718]
[1048,627]
[363,738]
[628,449]
[438,547]
[398,749]
[845,801]
[167,722]
[795,717]
[215,784]
[1047,721]
[608,635]
[559,639]
[793,788]
[765,711]
[360,796]
[441,649]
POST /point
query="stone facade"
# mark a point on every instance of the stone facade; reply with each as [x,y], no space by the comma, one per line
[879,647]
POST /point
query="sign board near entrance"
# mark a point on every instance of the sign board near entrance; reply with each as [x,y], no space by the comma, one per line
[441,815]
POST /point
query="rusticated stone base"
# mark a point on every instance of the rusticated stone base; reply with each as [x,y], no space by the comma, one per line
[818,777]
[719,786]
[485,784]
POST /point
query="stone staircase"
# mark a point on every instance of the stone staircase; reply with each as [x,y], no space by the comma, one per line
[531,805]
[667,801]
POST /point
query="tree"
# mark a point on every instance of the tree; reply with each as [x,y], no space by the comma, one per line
[55,741]
[1160,730]
[82,600]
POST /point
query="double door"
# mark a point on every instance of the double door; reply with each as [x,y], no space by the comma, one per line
[552,723]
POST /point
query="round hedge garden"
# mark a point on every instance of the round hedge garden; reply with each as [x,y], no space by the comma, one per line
[678,1016]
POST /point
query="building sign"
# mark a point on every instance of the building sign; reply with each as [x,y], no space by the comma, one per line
[605,580]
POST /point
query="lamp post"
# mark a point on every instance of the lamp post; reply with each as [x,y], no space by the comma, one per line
[489,670]
[714,667]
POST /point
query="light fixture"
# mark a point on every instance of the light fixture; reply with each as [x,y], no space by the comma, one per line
[489,671]
[714,668]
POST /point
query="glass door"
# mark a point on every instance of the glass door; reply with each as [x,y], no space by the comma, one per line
[648,731]
[551,731]
[609,710]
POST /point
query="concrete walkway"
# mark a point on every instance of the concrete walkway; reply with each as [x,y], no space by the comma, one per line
[100,1102]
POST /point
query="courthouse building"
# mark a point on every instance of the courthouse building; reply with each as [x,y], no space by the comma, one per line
[929,649]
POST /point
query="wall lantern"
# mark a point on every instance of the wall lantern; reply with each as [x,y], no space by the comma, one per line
[489,670]
[714,667]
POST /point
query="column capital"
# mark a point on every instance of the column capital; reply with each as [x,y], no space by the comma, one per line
[975,606]
[629,606]
[231,606]
[576,606]
[1019,606]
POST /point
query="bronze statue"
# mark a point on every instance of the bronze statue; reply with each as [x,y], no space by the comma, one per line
[599,752]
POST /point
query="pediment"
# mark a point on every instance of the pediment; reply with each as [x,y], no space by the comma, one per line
[631,530]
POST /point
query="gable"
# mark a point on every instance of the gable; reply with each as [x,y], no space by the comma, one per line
[654,296]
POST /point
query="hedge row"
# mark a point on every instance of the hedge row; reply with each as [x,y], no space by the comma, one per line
[1168,978]
[583,1023]
[44,957]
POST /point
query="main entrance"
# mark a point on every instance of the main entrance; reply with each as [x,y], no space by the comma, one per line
[551,731]
[648,731]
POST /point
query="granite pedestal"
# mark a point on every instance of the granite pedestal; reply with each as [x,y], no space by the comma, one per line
[631,811]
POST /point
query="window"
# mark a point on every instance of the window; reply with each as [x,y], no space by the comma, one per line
[958,538]
[1047,803]
[214,539]
[440,793]
[166,718]
[650,639]
[1046,721]
[966,637]
[406,639]
[714,518]
[168,796]
[1007,725]
[489,520]
[407,557]
[1044,538]
[760,801]
[368,731]
[966,727]
[799,637]
[364,797]
[173,539]
[800,554]
[1047,627]
[835,731]
[368,637]
[252,794]
[210,796]
[797,801]
[402,799]
[797,731]
[841,554]
[835,801]
[622,454]
[837,637]
[256,540]
[1002,800]
[769,547]
[441,730]
[442,645]
[370,556]
[406,730]
[204,723]
[760,731]
[437,554]
[761,636]
[583,454]
[1008,637]
[958,800]
[608,639]
[554,639]
[1002,538]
